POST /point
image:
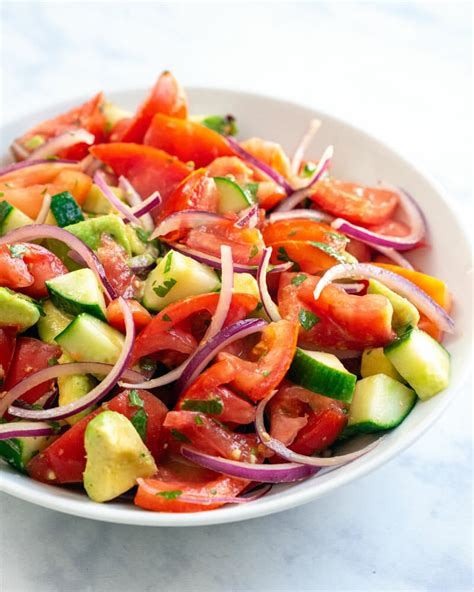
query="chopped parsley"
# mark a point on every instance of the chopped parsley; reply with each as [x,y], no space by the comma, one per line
[142,234]
[198,420]
[180,436]
[55,425]
[258,307]
[213,406]
[168,261]
[266,373]
[307,319]
[254,252]
[282,255]
[222,124]
[172,494]
[53,362]
[17,251]
[299,279]
[329,250]
[147,364]
[308,169]
[163,290]
[166,318]
[292,233]
[139,421]
[135,399]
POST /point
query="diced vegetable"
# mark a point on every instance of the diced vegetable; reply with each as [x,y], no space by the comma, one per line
[374,361]
[65,209]
[232,198]
[11,218]
[52,322]
[17,310]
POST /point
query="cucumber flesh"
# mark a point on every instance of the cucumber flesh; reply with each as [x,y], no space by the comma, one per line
[232,198]
[374,361]
[176,277]
[65,209]
[18,452]
[17,310]
[77,292]
[73,387]
[52,322]
[422,361]
[11,218]
[404,313]
[379,403]
[322,373]
[88,339]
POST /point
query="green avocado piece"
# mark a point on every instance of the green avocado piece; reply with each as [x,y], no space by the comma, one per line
[116,457]
[52,323]
[374,361]
[404,313]
[17,310]
[90,231]
[73,387]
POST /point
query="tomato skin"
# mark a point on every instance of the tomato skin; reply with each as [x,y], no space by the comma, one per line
[176,474]
[7,349]
[30,356]
[343,321]
[114,258]
[270,153]
[141,317]
[156,334]
[356,203]
[188,140]
[43,265]
[14,272]
[87,116]
[196,192]
[270,360]
[148,169]
[210,385]
[165,97]
[64,460]
[359,250]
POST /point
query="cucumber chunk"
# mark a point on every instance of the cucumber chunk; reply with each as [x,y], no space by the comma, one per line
[379,403]
[18,452]
[73,387]
[65,209]
[52,322]
[374,361]
[232,198]
[404,313]
[176,277]
[422,361]
[90,231]
[322,373]
[76,292]
[88,339]
[17,310]
[11,218]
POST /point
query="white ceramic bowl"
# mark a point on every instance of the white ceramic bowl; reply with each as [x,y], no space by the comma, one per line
[358,157]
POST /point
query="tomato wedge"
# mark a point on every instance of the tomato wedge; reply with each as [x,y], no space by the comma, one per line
[161,333]
[148,169]
[196,192]
[270,153]
[141,317]
[88,116]
[166,97]
[356,203]
[188,140]
[269,360]
[42,265]
[114,258]
[64,460]
[336,319]
[7,348]
[177,478]
[14,272]
[210,387]
[30,356]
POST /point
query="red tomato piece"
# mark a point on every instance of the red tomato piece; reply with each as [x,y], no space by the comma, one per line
[336,319]
[141,317]
[270,153]
[114,258]
[30,356]
[64,460]
[269,360]
[157,334]
[356,203]
[166,97]
[43,265]
[148,169]
[176,478]
[210,386]
[188,140]
[88,116]
[14,272]
[196,192]
[7,348]
[359,250]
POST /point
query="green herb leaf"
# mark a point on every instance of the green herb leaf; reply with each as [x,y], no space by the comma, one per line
[266,373]
[166,318]
[299,279]
[168,260]
[282,255]
[213,406]
[135,399]
[55,425]
[308,169]
[53,362]
[307,319]
[198,420]
[336,236]
[329,250]
[139,421]
[221,124]
[171,494]
[163,290]
[253,252]
[17,251]
[180,436]
[142,234]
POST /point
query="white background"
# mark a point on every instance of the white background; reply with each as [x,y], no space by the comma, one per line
[403,72]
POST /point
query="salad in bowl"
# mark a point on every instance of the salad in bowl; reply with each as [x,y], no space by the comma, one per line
[187,319]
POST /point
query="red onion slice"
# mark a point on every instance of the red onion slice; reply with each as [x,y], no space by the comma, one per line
[185,219]
[153,201]
[289,455]
[98,392]
[38,231]
[215,262]
[44,210]
[316,215]
[298,196]
[303,145]
[257,163]
[269,306]
[19,429]
[133,199]
[19,152]
[114,200]
[277,473]
[394,282]
[11,168]
[248,218]
[64,140]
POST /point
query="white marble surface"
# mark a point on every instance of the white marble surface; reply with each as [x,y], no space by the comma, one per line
[403,72]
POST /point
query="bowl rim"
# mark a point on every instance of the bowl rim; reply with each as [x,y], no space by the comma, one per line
[22,487]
